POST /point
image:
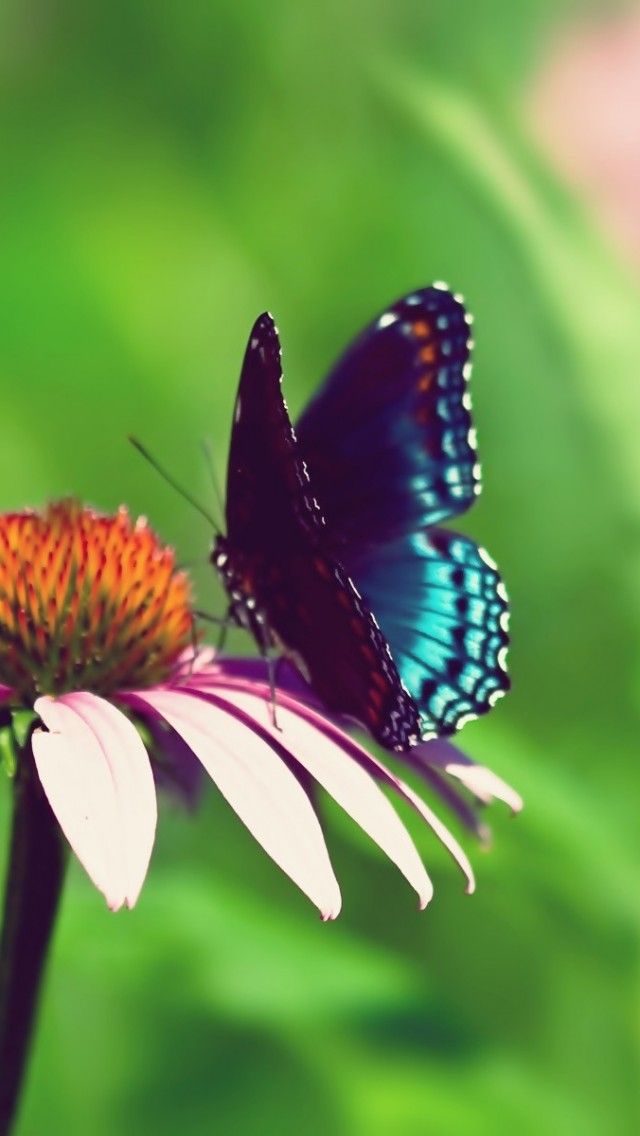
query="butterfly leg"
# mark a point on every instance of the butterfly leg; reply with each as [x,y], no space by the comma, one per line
[194,646]
[222,622]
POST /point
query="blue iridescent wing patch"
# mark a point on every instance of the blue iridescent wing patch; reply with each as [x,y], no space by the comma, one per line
[443,610]
[389,439]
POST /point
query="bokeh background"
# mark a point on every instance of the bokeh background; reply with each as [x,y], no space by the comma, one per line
[168,171]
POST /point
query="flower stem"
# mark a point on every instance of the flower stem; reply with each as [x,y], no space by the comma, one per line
[35,874]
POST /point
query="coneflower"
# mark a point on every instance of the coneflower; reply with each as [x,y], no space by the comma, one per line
[97,653]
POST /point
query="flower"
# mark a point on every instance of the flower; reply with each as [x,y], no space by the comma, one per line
[97,638]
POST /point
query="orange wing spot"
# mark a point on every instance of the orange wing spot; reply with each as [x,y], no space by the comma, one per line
[428,354]
[322,567]
[376,698]
[379,680]
[344,599]
[357,625]
[425,381]
[421,329]
[368,653]
[423,416]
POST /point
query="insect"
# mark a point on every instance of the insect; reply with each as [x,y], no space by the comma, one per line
[333,555]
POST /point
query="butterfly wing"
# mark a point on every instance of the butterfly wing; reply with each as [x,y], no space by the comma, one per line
[328,631]
[389,437]
[443,609]
[276,541]
[268,494]
[390,446]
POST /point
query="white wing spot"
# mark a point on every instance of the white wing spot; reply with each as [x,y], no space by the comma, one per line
[387,319]
[488,560]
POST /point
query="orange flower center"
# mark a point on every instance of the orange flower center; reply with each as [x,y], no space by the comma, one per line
[87,602]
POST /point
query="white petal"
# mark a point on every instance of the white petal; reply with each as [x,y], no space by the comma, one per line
[257,784]
[347,782]
[97,777]
[485,784]
[366,760]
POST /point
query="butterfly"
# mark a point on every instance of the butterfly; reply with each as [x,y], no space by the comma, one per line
[333,553]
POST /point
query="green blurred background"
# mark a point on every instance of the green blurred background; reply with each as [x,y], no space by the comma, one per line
[168,171]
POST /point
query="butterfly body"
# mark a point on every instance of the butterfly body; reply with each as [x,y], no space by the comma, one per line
[331,552]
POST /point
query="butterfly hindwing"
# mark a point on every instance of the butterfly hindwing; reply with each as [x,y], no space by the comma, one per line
[389,438]
[443,609]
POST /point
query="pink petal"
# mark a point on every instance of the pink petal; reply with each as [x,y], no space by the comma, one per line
[257,784]
[194,661]
[365,759]
[454,799]
[478,779]
[97,777]
[485,785]
[347,782]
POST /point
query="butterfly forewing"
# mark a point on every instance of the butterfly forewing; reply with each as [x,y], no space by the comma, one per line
[388,437]
[267,490]
[278,560]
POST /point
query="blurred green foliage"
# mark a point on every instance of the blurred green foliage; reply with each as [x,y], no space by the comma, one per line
[168,171]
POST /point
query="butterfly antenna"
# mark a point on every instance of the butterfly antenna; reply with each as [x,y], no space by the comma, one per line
[172,482]
[208,457]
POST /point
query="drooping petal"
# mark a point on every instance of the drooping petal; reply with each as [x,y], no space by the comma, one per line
[453,796]
[429,759]
[346,781]
[485,785]
[97,777]
[361,756]
[255,780]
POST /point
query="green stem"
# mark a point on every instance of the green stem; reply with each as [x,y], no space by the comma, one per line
[35,875]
